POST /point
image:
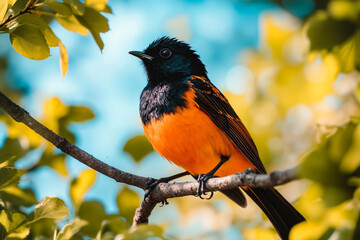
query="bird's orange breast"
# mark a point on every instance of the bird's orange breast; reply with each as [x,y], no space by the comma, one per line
[191,140]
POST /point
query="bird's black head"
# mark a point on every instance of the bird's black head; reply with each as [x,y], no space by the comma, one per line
[168,59]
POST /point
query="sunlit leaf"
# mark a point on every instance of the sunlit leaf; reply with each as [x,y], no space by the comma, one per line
[3,9]
[99,5]
[9,176]
[76,6]
[18,196]
[70,229]
[349,52]
[80,185]
[96,23]
[94,213]
[29,41]
[127,201]
[59,7]
[138,147]
[12,222]
[72,24]
[343,9]
[64,59]
[50,207]
[259,234]
[36,21]
[307,230]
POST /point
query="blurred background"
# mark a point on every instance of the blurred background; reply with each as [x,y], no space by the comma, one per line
[286,83]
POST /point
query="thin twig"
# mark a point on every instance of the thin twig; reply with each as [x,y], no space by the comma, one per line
[28,8]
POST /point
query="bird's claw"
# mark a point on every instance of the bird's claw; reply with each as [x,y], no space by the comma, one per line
[150,185]
[201,189]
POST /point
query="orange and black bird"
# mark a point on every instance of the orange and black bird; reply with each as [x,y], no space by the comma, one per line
[191,123]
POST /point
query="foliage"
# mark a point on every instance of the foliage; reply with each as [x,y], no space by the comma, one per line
[31,35]
[304,94]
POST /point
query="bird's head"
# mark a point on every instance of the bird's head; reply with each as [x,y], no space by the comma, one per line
[168,59]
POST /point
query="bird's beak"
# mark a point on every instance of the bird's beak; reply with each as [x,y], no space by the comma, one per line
[141,55]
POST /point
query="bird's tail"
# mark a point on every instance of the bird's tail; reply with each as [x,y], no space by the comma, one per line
[279,211]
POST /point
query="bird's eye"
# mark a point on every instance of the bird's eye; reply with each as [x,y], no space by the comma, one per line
[165,53]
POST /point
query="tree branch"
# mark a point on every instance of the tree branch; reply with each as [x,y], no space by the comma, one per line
[162,191]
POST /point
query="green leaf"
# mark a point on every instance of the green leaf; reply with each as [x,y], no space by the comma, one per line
[9,176]
[138,147]
[6,157]
[55,161]
[29,41]
[13,223]
[325,164]
[44,228]
[76,6]
[127,201]
[72,24]
[94,213]
[36,21]
[112,227]
[96,23]
[60,8]
[70,229]
[12,146]
[18,196]
[144,232]
[325,32]
[349,52]
[3,9]
[79,114]
[79,186]
[50,207]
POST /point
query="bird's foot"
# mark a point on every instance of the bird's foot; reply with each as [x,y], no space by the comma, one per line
[151,184]
[202,179]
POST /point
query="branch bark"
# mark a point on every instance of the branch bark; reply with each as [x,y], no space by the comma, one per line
[162,191]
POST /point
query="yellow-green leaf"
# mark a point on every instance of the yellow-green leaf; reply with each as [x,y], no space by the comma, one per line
[9,176]
[18,196]
[12,224]
[127,201]
[138,147]
[3,9]
[29,41]
[72,24]
[76,6]
[96,23]
[70,229]
[50,207]
[38,22]
[64,59]
[79,186]
[94,213]
[99,5]
[79,114]
[60,8]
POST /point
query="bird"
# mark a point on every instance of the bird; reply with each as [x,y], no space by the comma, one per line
[190,122]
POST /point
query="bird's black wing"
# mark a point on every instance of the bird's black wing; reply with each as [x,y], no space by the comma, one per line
[213,103]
